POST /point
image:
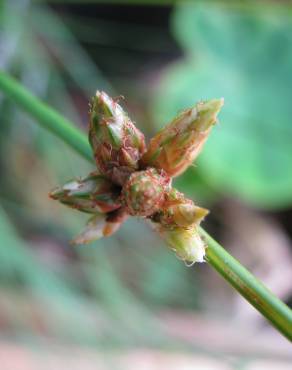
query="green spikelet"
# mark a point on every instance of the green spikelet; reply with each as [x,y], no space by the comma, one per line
[178,144]
[92,194]
[145,191]
[116,142]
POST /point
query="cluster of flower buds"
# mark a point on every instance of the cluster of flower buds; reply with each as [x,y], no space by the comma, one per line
[135,181]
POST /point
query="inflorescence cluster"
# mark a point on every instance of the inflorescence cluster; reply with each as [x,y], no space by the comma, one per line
[135,180]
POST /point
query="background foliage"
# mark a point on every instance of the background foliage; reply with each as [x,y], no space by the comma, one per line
[244,55]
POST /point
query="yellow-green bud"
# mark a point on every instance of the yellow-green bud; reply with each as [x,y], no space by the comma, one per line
[186,243]
[178,144]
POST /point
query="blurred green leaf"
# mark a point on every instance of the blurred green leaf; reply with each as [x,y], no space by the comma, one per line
[244,56]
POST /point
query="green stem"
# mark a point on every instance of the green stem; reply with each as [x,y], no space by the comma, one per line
[46,116]
[241,279]
[277,312]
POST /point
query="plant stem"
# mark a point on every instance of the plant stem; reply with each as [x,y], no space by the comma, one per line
[46,116]
[279,314]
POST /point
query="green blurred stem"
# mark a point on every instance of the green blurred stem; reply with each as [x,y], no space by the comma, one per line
[46,116]
[241,279]
[277,312]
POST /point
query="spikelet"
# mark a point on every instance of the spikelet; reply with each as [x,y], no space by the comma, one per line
[116,142]
[91,194]
[178,144]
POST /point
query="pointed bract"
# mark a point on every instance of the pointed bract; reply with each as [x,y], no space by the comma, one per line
[178,211]
[116,142]
[93,230]
[101,225]
[178,144]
